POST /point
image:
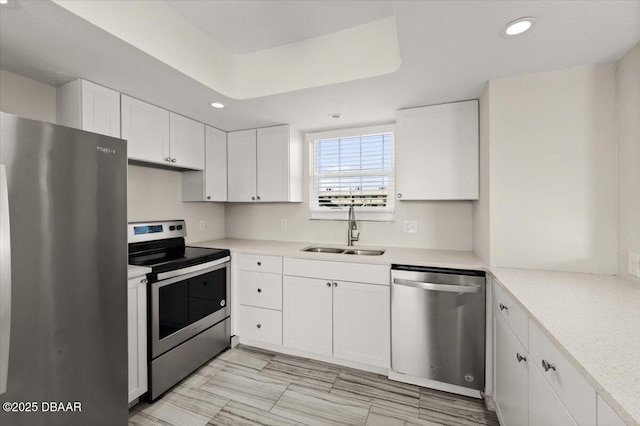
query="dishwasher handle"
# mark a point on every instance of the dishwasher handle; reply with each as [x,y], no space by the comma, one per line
[439,287]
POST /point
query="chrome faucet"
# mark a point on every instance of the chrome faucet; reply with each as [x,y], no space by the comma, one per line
[352,231]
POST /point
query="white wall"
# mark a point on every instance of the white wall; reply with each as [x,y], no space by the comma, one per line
[441,225]
[628,97]
[27,98]
[481,207]
[552,160]
[156,194]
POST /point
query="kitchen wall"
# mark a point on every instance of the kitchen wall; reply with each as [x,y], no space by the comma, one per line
[628,97]
[552,171]
[441,225]
[480,208]
[156,194]
[27,98]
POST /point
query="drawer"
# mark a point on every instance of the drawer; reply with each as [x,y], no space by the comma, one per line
[572,389]
[260,289]
[338,271]
[512,314]
[261,324]
[259,263]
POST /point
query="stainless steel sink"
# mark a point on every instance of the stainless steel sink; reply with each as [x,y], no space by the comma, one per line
[323,250]
[360,252]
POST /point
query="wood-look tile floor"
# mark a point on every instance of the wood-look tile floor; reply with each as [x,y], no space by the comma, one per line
[250,386]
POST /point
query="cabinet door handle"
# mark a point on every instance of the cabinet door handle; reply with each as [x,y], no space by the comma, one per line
[328,284]
[253,198]
[259,290]
[259,263]
[173,160]
[258,325]
[503,308]
[335,284]
[548,366]
[143,281]
[258,197]
[399,195]
[521,358]
[208,197]
[168,159]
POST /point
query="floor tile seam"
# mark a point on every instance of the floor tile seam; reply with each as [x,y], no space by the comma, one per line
[276,402]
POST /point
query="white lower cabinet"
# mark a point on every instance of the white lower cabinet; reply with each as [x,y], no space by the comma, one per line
[511,372]
[137,337]
[361,322]
[307,314]
[329,316]
[606,416]
[545,407]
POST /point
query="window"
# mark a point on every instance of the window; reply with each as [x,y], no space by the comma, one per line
[352,167]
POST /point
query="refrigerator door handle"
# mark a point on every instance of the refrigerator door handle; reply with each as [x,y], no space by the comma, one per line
[5,280]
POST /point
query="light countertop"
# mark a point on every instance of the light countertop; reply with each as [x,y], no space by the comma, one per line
[136,271]
[593,319]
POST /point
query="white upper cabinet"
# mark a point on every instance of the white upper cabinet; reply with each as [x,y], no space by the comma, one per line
[265,165]
[156,135]
[437,152]
[186,142]
[242,158]
[279,168]
[146,129]
[85,105]
[210,184]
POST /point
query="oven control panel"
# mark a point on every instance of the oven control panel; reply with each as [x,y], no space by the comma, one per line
[160,230]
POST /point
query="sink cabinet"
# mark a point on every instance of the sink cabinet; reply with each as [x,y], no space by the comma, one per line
[326,315]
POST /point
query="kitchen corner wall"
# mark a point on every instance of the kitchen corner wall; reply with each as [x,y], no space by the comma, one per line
[628,102]
[27,98]
[548,145]
[441,224]
[156,194]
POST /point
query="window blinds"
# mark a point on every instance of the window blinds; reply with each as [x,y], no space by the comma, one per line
[354,170]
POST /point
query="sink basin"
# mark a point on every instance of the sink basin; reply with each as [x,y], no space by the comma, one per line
[333,250]
[323,250]
[364,252]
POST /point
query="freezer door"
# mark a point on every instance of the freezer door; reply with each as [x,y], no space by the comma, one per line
[67,192]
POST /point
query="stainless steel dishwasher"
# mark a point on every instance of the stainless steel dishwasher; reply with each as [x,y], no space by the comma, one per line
[438,328]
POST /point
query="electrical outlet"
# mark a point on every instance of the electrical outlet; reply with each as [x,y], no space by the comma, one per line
[202,225]
[283,224]
[634,264]
[410,226]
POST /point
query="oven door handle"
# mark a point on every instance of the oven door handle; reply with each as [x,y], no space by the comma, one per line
[191,269]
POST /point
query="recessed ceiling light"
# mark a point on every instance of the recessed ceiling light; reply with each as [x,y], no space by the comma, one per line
[4,1]
[335,115]
[519,26]
[213,104]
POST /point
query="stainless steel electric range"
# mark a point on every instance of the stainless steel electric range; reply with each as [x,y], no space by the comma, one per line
[188,301]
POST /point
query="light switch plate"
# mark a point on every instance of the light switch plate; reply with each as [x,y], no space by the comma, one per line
[410,226]
[633,267]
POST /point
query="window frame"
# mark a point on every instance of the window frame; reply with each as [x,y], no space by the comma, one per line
[375,214]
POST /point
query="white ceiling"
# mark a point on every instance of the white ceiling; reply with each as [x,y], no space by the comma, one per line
[250,25]
[449,49]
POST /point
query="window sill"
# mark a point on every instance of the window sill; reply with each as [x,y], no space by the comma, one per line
[361,215]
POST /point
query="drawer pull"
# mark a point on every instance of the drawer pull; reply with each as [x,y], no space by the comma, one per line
[258,325]
[548,366]
[335,284]
[521,358]
[503,308]
[328,284]
[259,263]
[143,281]
[259,290]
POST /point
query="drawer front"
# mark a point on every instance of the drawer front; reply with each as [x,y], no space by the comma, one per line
[512,314]
[259,263]
[261,324]
[338,271]
[574,391]
[261,290]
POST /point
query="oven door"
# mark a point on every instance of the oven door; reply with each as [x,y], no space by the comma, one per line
[185,305]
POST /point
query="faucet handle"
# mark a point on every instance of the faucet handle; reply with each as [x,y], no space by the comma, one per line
[355,235]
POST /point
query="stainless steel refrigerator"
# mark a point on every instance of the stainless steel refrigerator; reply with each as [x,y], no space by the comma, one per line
[63,261]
